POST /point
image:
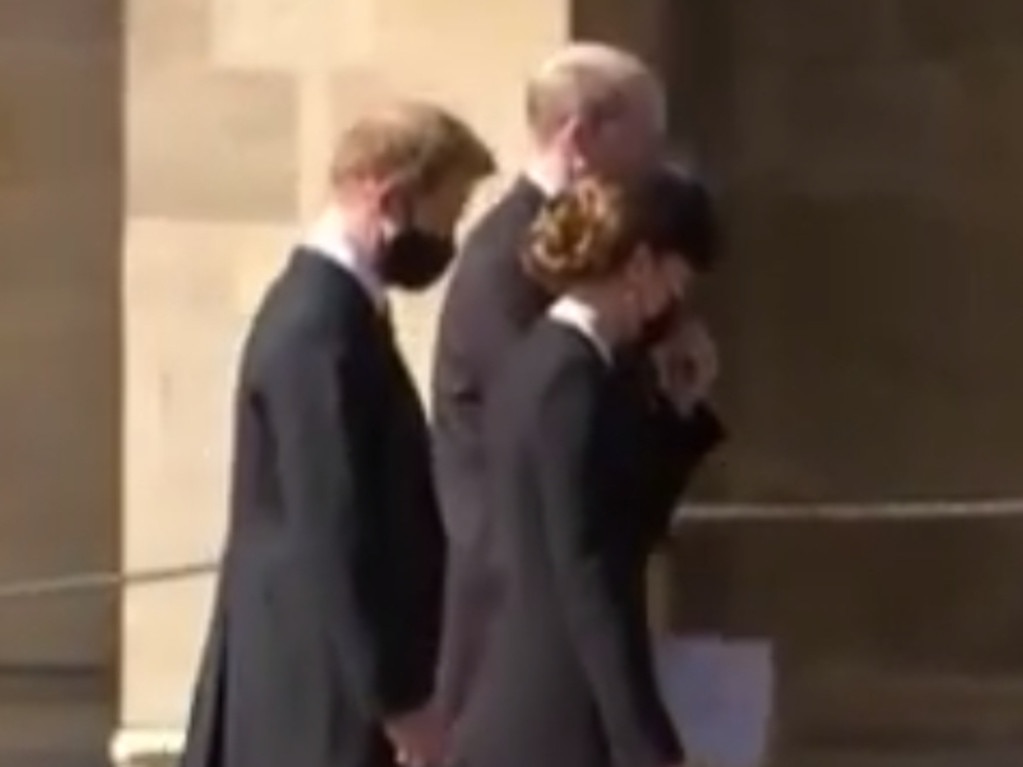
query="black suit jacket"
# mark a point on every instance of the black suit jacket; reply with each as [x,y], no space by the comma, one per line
[327,614]
[569,680]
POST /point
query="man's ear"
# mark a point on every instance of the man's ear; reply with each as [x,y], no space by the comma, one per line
[387,196]
[566,132]
[572,136]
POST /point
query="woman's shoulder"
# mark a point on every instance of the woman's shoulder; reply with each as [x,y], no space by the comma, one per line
[563,366]
[558,350]
[550,388]
[549,358]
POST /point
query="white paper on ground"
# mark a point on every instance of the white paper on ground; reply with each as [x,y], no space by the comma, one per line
[720,693]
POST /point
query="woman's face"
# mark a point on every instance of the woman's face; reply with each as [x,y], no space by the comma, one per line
[656,286]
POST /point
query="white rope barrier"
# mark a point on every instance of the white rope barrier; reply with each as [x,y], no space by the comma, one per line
[896,510]
[685,514]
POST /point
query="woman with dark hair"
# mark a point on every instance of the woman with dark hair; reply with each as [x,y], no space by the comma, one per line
[568,680]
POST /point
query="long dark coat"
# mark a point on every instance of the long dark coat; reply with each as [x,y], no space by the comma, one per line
[326,615]
[568,679]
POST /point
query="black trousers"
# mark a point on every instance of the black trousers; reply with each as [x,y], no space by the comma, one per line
[472,597]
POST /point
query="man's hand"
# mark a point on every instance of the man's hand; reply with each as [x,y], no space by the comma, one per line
[687,364]
[419,738]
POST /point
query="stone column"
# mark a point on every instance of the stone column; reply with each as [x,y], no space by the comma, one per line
[231,106]
[60,221]
[59,225]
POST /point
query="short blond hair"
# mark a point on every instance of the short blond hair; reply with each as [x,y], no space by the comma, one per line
[414,145]
[590,79]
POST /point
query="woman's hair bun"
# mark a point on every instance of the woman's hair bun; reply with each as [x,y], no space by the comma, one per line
[578,235]
[592,228]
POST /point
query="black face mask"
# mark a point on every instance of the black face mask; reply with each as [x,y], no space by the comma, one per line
[415,259]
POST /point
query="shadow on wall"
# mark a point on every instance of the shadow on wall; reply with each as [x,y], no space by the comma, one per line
[60,380]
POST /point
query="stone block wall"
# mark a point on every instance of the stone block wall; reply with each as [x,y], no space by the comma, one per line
[869,163]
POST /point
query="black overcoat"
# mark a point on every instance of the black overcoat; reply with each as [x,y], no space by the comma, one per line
[326,618]
[568,679]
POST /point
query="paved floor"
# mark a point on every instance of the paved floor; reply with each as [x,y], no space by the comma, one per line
[941,758]
[62,719]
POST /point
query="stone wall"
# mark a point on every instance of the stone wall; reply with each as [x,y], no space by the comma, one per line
[869,162]
[60,219]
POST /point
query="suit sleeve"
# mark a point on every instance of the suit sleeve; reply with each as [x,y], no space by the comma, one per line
[307,399]
[489,316]
[672,445]
[677,446]
[485,314]
[606,624]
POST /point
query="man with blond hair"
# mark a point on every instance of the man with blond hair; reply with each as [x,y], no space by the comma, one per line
[591,109]
[321,651]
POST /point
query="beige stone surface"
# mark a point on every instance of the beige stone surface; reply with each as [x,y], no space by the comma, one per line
[167,624]
[294,34]
[165,36]
[213,146]
[181,351]
[470,57]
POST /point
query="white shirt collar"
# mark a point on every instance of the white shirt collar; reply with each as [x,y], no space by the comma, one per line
[570,311]
[327,239]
